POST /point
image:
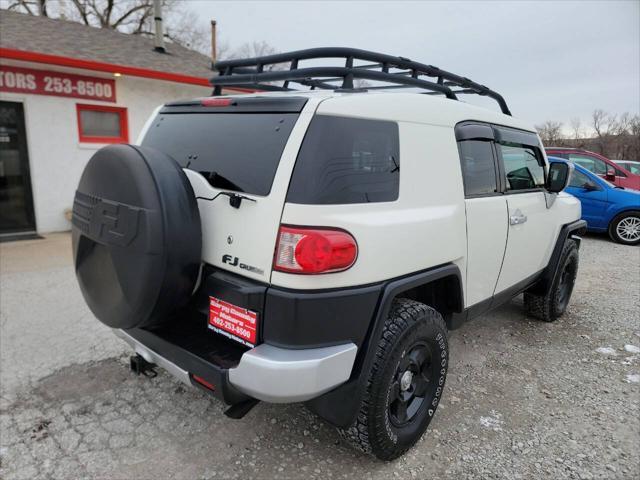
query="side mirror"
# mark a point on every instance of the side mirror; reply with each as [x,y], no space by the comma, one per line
[559,176]
[589,187]
[610,175]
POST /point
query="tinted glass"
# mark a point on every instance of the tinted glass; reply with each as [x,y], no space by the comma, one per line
[16,207]
[592,164]
[239,152]
[95,123]
[347,160]
[478,169]
[579,180]
[522,167]
[632,167]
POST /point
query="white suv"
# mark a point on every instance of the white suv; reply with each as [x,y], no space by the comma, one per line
[317,245]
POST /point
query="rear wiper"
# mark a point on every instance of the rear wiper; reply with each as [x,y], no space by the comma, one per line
[235,199]
[218,181]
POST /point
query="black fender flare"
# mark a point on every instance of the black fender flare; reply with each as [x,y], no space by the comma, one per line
[569,230]
[340,406]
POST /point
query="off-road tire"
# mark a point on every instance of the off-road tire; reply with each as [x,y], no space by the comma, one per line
[409,323]
[552,305]
[613,227]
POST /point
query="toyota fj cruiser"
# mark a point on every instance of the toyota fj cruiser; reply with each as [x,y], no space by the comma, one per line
[316,245]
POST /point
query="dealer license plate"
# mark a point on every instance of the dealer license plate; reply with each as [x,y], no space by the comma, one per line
[232,321]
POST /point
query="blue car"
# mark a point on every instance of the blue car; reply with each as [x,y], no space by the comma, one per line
[605,207]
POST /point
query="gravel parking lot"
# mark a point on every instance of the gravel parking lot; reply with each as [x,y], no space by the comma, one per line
[524,399]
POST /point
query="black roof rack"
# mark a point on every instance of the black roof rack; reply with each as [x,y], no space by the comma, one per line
[396,72]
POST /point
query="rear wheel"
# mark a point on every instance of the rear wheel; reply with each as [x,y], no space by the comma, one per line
[625,228]
[405,383]
[552,305]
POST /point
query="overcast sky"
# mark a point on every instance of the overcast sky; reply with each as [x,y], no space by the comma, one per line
[551,60]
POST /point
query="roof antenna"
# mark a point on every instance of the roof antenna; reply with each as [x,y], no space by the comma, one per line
[159,33]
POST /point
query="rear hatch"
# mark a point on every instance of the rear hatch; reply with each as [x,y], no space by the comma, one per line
[238,154]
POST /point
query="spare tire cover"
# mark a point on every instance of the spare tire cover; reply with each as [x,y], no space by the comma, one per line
[137,237]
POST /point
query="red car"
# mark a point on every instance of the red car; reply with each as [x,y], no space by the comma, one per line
[596,163]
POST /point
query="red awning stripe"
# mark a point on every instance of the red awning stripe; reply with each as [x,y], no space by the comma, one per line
[35,57]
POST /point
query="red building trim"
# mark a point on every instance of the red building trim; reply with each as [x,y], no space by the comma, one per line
[124,124]
[35,57]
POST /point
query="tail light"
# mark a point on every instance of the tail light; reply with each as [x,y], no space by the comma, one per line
[314,250]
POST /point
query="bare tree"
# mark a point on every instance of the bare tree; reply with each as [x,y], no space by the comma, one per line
[128,16]
[602,124]
[577,132]
[32,7]
[551,133]
[622,131]
[253,49]
[634,133]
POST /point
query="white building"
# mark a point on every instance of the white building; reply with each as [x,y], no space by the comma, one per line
[65,91]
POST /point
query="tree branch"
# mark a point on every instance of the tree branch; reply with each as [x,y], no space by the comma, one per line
[130,12]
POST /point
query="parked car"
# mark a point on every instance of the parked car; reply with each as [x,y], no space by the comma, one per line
[606,207]
[316,245]
[598,164]
[630,165]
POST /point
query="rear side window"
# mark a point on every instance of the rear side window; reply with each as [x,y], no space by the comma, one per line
[234,151]
[478,167]
[522,167]
[347,160]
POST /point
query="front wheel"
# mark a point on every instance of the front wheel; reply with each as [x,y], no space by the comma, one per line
[625,228]
[552,305]
[405,383]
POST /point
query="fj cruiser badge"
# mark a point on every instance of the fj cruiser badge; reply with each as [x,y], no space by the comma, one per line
[235,262]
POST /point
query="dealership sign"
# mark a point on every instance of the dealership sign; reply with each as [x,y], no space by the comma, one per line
[42,82]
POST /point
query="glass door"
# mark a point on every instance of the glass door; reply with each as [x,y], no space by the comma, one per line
[16,203]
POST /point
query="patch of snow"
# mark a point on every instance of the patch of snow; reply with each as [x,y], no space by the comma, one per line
[632,349]
[633,378]
[494,422]
[606,351]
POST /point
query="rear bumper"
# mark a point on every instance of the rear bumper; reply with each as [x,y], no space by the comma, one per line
[282,375]
[266,372]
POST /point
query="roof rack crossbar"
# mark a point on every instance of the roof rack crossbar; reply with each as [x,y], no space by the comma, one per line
[259,71]
[308,74]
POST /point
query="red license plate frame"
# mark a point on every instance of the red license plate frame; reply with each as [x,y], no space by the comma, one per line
[232,321]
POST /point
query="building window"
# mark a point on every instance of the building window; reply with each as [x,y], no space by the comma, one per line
[101,124]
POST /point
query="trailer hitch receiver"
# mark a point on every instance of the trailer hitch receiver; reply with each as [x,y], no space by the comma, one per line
[140,366]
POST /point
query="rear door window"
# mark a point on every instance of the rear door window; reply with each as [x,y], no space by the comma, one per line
[234,151]
[478,167]
[347,160]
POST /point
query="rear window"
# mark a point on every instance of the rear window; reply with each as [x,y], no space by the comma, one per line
[347,160]
[234,151]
